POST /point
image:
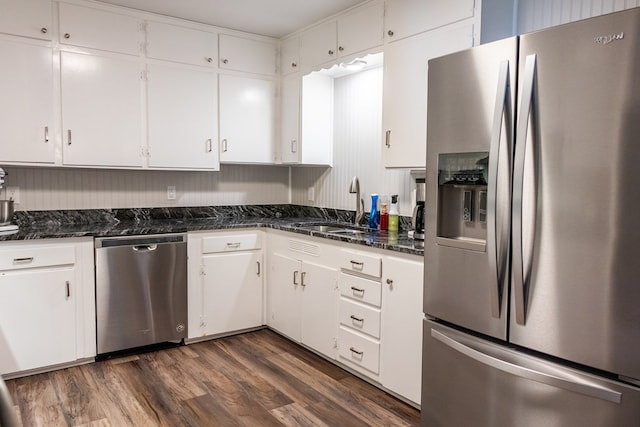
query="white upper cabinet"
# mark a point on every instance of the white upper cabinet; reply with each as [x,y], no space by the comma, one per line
[99,29]
[247,107]
[405,18]
[290,55]
[27,18]
[102,118]
[247,55]
[180,44]
[404,110]
[182,118]
[353,32]
[290,120]
[360,29]
[26,105]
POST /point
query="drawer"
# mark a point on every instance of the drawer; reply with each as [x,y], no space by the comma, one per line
[231,242]
[360,289]
[359,350]
[361,262]
[34,257]
[362,318]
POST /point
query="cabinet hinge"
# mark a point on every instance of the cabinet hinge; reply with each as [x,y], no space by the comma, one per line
[335,343]
[202,272]
[144,75]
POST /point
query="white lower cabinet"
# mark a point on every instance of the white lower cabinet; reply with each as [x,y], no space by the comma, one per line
[302,300]
[401,326]
[225,282]
[47,305]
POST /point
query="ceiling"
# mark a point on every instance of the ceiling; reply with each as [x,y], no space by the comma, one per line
[275,18]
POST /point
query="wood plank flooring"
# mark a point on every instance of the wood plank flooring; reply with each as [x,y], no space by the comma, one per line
[254,379]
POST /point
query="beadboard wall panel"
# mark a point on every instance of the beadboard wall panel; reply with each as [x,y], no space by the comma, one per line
[58,188]
[538,14]
[356,151]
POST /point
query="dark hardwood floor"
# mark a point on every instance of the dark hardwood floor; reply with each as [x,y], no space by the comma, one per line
[254,379]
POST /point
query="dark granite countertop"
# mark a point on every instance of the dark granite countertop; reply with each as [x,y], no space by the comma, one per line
[129,222]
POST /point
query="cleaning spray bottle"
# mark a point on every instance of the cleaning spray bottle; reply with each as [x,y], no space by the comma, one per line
[393,213]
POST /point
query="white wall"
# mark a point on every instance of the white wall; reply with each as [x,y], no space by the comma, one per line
[52,189]
[537,14]
[357,150]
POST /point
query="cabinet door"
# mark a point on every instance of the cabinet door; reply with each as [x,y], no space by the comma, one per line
[401,336]
[290,55]
[284,296]
[404,117]
[361,29]
[37,319]
[28,18]
[318,44]
[248,55]
[99,29]
[180,44]
[290,115]
[101,111]
[319,308]
[246,108]
[232,285]
[182,118]
[26,122]
[405,18]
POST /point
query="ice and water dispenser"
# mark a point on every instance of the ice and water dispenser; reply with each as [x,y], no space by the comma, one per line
[462,200]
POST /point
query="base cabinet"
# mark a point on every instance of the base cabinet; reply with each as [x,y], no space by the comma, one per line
[303,302]
[225,286]
[47,305]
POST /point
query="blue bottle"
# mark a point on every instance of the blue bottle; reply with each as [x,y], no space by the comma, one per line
[374,218]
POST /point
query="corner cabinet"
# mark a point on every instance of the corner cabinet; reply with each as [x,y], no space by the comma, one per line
[47,305]
[225,282]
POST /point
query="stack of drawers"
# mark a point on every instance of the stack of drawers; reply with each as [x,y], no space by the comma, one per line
[359,311]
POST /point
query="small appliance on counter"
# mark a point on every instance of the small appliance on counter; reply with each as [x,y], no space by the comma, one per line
[6,211]
[417,219]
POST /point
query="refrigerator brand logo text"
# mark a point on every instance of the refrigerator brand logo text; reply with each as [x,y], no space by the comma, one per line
[608,39]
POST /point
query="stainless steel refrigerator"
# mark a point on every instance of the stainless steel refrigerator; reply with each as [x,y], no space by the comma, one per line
[532,248]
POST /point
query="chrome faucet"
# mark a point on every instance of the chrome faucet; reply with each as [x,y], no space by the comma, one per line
[354,188]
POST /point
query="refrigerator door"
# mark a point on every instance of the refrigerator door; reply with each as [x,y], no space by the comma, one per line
[469,150]
[576,194]
[471,382]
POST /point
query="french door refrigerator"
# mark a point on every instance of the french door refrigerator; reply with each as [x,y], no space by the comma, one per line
[532,248]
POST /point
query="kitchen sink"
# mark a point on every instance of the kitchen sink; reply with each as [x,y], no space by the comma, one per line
[332,229]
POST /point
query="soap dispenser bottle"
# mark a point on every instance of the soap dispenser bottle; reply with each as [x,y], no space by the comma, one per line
[374,219]
[393,213]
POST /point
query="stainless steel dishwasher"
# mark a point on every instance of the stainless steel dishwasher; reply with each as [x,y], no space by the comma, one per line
[141,291]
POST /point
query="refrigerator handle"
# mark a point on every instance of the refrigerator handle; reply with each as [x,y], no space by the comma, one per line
[555,377]
[520,278]
[498,258]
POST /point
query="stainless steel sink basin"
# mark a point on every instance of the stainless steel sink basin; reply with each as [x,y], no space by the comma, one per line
[332,229]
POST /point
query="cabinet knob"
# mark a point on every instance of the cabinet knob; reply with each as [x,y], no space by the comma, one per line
[43,30]
[340,48]
[294,65]
[209,60]
[67,35]
[331,52]
[390,33]
[225,61]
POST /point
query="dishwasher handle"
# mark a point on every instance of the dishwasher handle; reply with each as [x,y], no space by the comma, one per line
[144,248]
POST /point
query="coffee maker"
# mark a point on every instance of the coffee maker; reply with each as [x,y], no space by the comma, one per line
[417,219]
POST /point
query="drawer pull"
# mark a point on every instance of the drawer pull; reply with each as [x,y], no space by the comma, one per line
[233,245]
[356,319]
[356,262]
[304,273]
[22,260]
[359,290]
[295,277]
[355,351]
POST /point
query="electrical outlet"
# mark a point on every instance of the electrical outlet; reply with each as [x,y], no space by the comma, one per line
[171,192]
[13,193]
